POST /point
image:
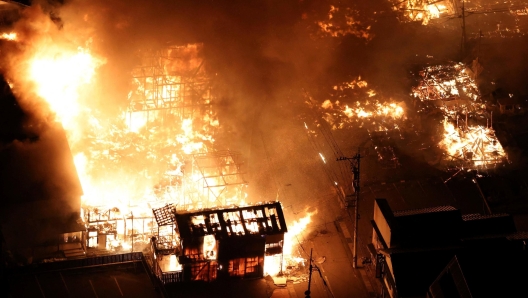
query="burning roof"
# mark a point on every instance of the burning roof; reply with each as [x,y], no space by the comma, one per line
[452,89]
[265,219]
[424,10]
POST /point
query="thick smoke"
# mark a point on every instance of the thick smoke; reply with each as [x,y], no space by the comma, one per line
[260,53]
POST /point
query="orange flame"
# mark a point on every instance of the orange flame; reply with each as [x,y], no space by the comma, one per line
[9,36]
[59,75]
[272,264]
[477,144]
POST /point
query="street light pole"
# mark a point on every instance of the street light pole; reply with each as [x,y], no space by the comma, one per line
[354,167]
[463,45]
[307,292]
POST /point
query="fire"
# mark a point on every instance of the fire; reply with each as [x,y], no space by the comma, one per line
[366,109]
[475,144]
[156,150]
[342,22]
[423,10]
[272,264]
[452,89]
[59,75]
[447,82]
[9,36]
[373,110]
[352,84]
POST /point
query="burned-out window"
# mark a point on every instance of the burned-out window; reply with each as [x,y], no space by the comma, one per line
[214,222]
[205,271]
[209,247]
[193,253]
[198,225]
[252,265]
[273,218]
[250,219]
[233,223]
[237,267]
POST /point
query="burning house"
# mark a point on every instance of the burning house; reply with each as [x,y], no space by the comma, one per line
[155,149]
[468,138]
[424,10]
[216,243]
[170,126]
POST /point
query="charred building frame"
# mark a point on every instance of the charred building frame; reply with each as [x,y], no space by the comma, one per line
[217,243]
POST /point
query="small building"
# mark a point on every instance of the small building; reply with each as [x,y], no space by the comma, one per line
[412,247]
[217,243]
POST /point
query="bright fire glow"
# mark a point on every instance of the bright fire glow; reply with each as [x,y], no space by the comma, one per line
[272,264]
[342,22]
[422,10]
[9,36]
[354,104]
[451,88]
[129,159]
[476,144]
[383,112]
[59,75]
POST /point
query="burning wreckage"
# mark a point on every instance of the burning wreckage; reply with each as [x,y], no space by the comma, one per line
[468,139]
[215,243]
[381,118]
[424,10]
[157,152]
[467,142]
[181,244]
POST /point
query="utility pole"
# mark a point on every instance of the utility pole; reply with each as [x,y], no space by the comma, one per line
[307,292]
[463,46]
[354,167]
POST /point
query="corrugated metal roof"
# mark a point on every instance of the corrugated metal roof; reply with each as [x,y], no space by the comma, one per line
[476,216]
[520,235]
[424,210]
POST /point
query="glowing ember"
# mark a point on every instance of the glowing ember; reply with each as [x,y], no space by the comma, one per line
[342,22]
[451,88]
[446,82]
[476,144]
[366,109]
[373,110]
[423,10]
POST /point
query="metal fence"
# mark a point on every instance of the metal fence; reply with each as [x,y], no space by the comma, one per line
[79,263]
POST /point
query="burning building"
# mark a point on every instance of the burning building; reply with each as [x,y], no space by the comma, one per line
[156,149]
[451,89]
[424,10]
[215,243]
[170,126]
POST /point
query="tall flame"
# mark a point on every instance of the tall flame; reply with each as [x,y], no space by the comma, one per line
[274,265]
[59,75]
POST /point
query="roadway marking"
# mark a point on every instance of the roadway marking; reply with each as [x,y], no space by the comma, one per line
[118,286]
[65,285]
[91,284]
[40,288]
